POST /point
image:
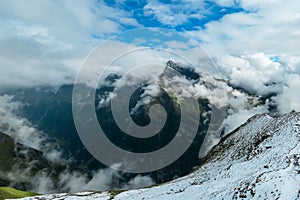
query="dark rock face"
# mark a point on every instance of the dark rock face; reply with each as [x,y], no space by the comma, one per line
[188,72]
[51,112]
[14,155]
[28,162]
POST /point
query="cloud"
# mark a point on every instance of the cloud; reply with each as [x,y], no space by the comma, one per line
[69,19]
[243,44]
[46,43]
[225,3]
[17,127]
[101,180]
[255,73]
[138,182]
[234,120]
[289,98]
[265,26]
[176,12]
[44,181]
[23,132]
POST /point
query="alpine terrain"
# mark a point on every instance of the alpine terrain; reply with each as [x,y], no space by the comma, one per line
[258,160]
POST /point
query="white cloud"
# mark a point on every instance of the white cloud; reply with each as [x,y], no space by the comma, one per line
[17,127]
[225,3]
[101,180]
[256,73]
[69,19]
[139,182]
[176,12]
[177,45]
[236,119]
[242,44]
[42,182]
[268,26]
[44,43]
[289,99]
[23,132]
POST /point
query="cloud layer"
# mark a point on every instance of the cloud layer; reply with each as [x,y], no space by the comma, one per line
[69,180]
[45,43]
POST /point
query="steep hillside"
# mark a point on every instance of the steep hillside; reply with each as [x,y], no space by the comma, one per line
[12,151]
[15,155]
[7,192]
[22,166]
[259,160]
[7,146]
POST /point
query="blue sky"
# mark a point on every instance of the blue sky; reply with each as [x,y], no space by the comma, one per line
[253,42]
[209,9]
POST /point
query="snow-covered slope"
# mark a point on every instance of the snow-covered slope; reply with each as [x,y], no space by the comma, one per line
[259,160]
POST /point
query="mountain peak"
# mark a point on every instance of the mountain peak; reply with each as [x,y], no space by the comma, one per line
[187,71]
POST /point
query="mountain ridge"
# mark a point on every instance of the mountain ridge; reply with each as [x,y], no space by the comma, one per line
[260,159]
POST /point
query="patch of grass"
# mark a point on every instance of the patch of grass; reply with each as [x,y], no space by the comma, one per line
[9,193]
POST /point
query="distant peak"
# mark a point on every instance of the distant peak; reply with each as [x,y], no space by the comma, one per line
[187,71]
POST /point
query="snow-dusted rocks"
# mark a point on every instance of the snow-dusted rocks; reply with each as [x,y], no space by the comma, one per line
[80,195]
[259,160]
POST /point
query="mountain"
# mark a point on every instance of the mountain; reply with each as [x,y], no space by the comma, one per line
[21,167]
[13,154]
[50,111]
[258,160]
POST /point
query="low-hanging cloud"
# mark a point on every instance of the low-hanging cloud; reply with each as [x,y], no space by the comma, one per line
[102,179]
[44,181]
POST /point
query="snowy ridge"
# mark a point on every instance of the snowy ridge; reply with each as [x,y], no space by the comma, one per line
[259,160]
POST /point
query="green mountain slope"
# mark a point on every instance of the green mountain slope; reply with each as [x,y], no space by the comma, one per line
[8,193]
